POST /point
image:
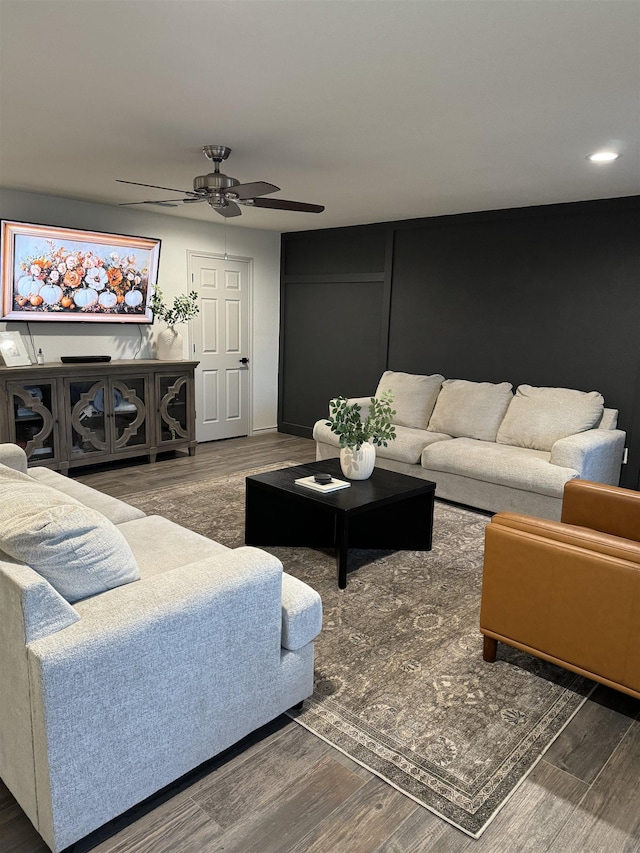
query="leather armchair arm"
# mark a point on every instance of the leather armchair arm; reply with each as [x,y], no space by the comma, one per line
[609,509]
[569,534]
[562,602]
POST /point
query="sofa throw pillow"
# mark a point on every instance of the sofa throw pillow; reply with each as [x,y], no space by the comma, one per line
[414,396]
[538,417]
[467,409]
[77,549]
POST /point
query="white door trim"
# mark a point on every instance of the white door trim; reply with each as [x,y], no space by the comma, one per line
[192,253]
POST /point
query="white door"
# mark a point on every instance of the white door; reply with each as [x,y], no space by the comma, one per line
[220,342]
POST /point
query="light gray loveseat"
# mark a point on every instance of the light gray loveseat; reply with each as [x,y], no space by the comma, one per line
[107,699]
[487,447]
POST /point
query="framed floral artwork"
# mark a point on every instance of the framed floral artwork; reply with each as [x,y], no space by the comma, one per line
[63,274]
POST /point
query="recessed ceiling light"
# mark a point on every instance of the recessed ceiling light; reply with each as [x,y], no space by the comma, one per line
[603,156]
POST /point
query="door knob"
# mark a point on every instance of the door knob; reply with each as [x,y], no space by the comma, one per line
[243,360]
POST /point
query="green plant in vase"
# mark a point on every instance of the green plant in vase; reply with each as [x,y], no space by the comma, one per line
[358,436]
[185,307]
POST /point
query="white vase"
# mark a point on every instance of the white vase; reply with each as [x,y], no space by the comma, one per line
[170,345]
[358,464]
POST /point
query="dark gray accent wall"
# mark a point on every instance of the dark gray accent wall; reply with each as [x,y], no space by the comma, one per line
[546,296]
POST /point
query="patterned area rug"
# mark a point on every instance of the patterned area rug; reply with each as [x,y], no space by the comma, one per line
[401,686]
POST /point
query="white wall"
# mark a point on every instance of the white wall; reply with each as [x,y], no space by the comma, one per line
[178,236]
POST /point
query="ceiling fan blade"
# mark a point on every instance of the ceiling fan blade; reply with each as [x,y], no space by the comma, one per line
[243,191]
[229,210]
[154,187]
[282,204]
[163,203]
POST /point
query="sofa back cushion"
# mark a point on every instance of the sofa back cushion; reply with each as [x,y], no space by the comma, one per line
[538,417]
[76,549]
[414,396]
[471,409]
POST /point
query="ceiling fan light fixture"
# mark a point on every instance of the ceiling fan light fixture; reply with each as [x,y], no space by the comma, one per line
[603,156]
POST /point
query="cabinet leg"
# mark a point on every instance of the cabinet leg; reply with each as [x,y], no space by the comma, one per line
[192,449]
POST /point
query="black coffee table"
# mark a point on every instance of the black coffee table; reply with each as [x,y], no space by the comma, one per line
[389,511]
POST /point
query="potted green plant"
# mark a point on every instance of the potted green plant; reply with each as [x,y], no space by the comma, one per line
[359,435]
[185,307]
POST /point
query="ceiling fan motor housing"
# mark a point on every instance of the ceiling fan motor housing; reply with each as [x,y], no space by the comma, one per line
[214,182]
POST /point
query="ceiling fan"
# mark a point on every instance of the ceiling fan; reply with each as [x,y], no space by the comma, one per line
[223,193]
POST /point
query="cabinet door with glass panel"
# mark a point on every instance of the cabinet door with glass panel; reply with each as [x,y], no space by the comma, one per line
[107,416]
[175,415]
[33,419]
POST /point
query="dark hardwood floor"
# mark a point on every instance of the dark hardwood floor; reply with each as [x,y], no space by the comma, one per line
[283,790]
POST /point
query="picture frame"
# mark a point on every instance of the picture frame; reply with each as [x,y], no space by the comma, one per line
[13,351]
[57,274]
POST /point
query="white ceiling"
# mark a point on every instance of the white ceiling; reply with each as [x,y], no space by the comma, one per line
[378,109]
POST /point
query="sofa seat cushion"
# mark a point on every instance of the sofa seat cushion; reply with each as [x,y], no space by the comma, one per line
[160,545]
[406,447]
[115,510]
[414,396]
[471,409]
[76,548]
[503,465]
[538,417]
[409,444]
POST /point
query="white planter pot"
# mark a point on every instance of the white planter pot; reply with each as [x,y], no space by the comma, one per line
[170,345]
[358,464]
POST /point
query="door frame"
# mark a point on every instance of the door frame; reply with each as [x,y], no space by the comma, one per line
[225,256]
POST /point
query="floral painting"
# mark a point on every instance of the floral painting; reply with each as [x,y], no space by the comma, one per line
[64,274]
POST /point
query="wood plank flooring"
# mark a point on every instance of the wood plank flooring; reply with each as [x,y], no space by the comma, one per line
[283,790]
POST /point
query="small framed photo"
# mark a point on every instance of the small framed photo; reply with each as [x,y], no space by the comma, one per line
[13,350]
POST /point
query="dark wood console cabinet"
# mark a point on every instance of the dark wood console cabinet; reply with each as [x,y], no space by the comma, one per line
[68,415]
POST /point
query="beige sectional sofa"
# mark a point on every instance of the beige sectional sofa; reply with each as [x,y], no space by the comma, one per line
[488,447]
[131,649]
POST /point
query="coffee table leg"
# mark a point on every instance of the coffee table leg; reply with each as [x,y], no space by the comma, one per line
[342,549]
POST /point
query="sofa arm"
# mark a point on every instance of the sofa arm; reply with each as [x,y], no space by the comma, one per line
[13,456]
[301,613]
[595,454]
[237,592]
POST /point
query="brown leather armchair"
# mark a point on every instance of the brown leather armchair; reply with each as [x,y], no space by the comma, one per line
[569,591]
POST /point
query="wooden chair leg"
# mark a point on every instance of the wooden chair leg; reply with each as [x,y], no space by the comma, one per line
[490,649]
